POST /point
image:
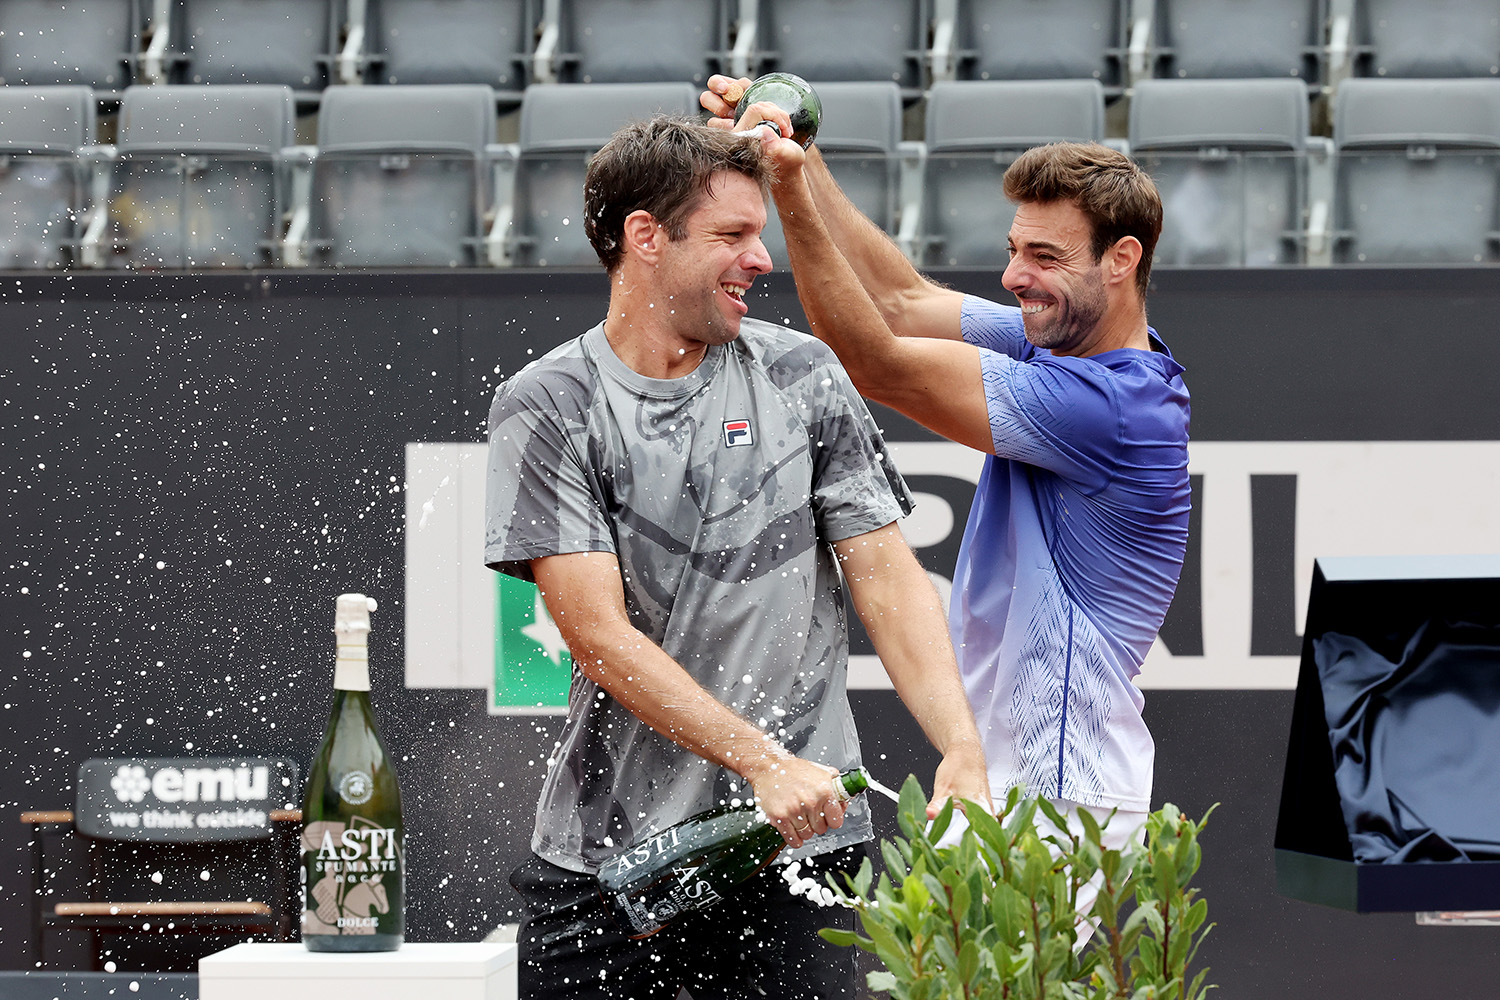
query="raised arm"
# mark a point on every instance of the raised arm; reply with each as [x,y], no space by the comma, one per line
[904,616]
[586,599]
[910,304]
[938,383]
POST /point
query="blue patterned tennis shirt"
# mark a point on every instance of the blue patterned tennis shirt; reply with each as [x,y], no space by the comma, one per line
[1070,558]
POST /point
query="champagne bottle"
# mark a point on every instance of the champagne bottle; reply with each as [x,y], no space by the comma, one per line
[353,840]
[791,94]
[695,863]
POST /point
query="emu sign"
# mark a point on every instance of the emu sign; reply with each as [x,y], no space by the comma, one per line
[183,799]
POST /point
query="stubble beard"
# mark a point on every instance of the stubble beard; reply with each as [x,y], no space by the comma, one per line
[1077,317]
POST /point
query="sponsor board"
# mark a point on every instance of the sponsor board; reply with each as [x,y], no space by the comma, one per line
[183,799]
[1263,511]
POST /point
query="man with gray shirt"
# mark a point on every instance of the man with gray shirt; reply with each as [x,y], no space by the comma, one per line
[690,489]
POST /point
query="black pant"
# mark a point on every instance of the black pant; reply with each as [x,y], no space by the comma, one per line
[760,941]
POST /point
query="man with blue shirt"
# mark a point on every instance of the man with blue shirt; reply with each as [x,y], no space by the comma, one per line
[1077,533]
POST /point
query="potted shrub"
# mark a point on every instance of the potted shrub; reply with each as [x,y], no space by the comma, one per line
[995,915]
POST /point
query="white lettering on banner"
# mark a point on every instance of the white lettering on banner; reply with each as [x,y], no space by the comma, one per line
[210,784]
[1330,498]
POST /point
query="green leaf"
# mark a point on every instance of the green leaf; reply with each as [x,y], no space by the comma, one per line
[911,813]
[839,936]
[891,950]
[941,821]
[1011,912]
[1091,831]
[986,828]
[946,953]
[862,878]
[962,897]
[895,864]
[880,981]
[1196,914]
[968,961]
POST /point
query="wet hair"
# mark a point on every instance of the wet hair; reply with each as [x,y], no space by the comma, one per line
[1115,195]
[662,166]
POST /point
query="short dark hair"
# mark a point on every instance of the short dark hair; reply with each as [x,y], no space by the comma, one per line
[661,166]
[1113,193]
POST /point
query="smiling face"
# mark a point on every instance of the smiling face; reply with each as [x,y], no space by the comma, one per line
[1053,273]
[702,278]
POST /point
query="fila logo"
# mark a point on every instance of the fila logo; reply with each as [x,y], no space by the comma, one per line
[737,432]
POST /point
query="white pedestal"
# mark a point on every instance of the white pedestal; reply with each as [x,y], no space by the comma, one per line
[273,971]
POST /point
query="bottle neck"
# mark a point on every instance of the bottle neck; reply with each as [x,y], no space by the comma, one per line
[351,671]
[851,783]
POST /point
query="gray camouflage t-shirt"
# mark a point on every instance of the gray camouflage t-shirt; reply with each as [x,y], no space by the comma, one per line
[719,493]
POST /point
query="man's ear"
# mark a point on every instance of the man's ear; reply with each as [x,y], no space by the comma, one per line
[643,237]
[1121,260]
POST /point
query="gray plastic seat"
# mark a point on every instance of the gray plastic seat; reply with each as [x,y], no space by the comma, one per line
[975,130]
[198,178]
[562,125]
[1235,39]
[620,41]
[1085,39]
[1428,38]
[88,43]
[859,138]
[846,39]
[284,42]
[1228,157]
[397,180]
[41,181]
[450,41]
[1418,171]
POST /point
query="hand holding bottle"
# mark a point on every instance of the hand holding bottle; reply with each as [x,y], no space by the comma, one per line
[719,100]
[798,797]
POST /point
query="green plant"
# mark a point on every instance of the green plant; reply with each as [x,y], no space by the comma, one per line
[996,915]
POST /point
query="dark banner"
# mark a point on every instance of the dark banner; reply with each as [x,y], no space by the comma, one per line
[197,465]
[183,799]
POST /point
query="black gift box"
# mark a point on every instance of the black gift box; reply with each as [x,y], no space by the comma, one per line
[1391,797]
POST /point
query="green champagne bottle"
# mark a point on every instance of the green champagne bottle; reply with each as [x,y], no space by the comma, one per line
[695,863]
[791,94]
[353,840]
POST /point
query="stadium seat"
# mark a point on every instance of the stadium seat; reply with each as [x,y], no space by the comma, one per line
[41,180]
[1228,157]
[845,39]
[1084,39]
[283,42]
[623,41]
[561,126]
[397,180]
[1232,39]
[859,141]
[1428,38]
[1418,171]
[89,43]
[450,41]
[975,130]
[198,177]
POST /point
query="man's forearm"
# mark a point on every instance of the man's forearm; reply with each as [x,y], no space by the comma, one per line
[909,303]
[880,266]
[839,310]
[653,687]
[584,596]
[904,616]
